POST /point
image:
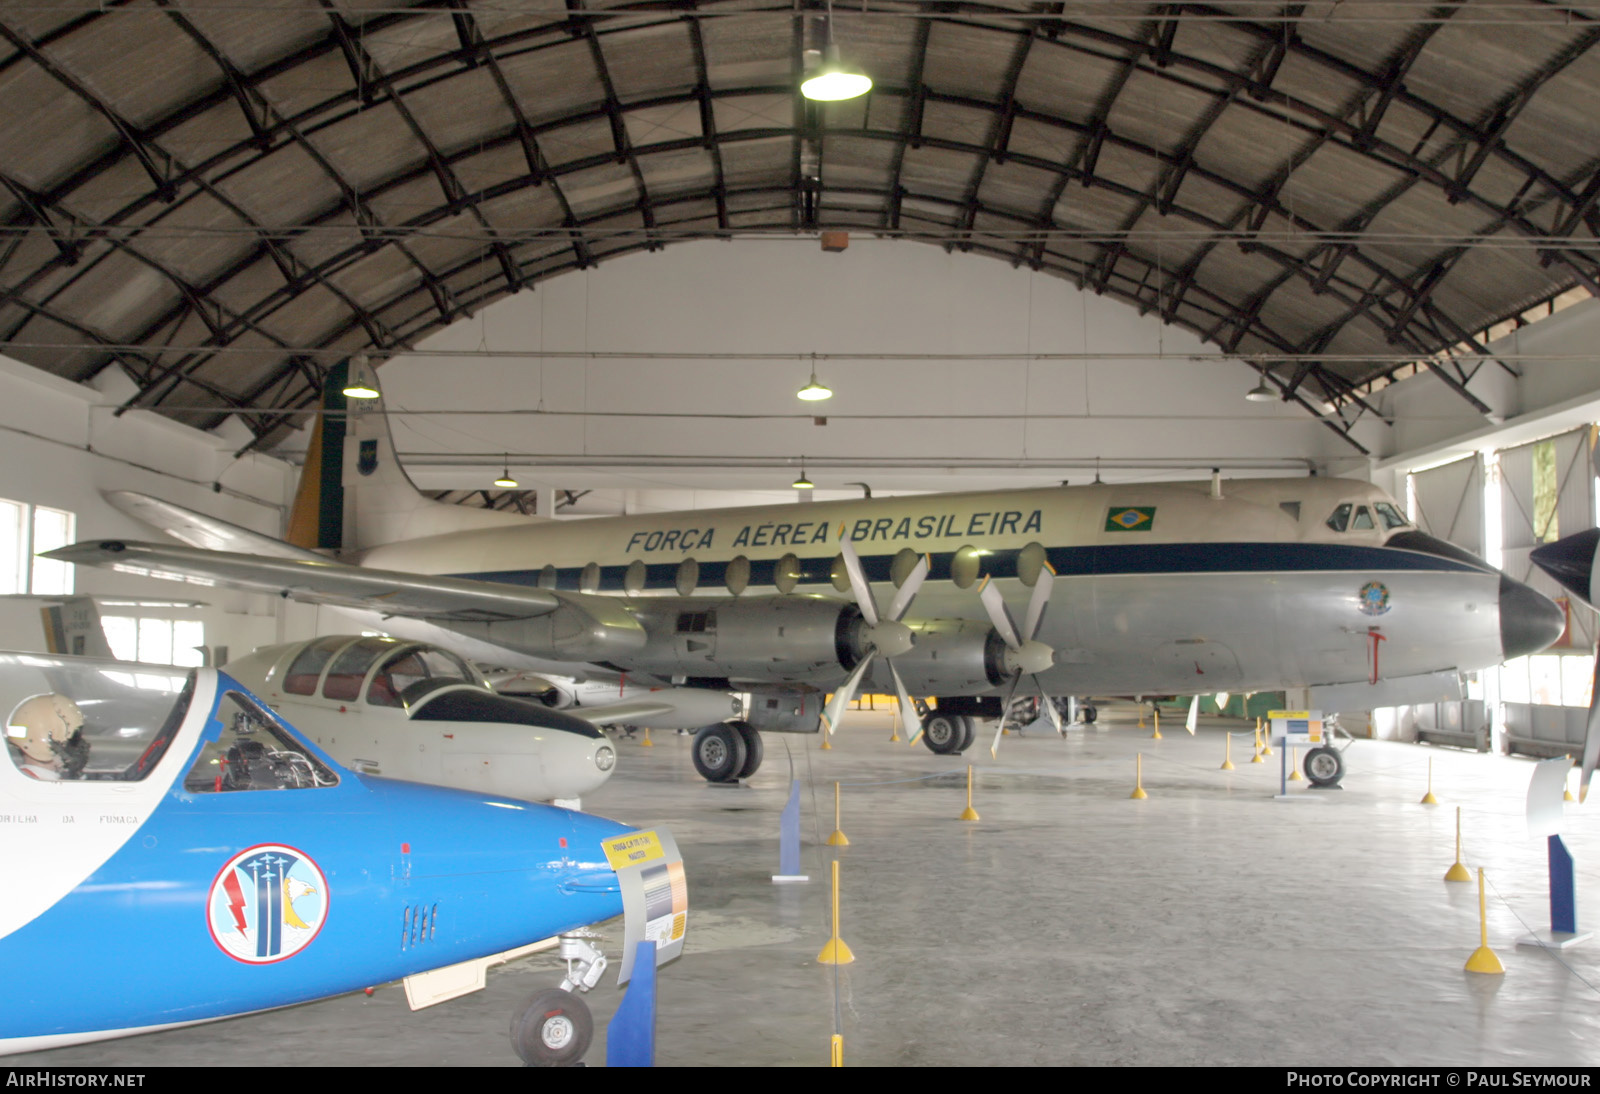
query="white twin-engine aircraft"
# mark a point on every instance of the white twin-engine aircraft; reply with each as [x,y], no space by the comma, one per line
[1162,589]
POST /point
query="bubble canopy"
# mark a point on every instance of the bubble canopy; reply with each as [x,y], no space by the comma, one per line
[103,720]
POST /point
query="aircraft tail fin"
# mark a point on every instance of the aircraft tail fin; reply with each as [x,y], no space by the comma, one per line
[73,627]
[353,493]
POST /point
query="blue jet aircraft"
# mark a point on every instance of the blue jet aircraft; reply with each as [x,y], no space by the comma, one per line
[167,826]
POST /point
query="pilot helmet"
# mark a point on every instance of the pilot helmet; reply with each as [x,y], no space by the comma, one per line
[42,726]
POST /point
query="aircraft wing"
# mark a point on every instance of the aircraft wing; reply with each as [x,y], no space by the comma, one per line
[199,530]
[321,580]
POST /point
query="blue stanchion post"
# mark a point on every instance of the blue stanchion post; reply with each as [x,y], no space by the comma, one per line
[789,838]
[631,1034]
[1563,898]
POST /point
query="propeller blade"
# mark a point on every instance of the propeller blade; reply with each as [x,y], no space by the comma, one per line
[1050,710]
[994,749]
[908,709]
[858,583]
[1194,715]
[1591,737]
[1038,602]
[841,698]
[999,617]
[904,594]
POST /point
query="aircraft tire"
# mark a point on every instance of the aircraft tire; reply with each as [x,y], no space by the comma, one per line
[1323,766]
[969,731]
[752,748]
[552,1029]
[945,734]
[1089,714]
[719,753]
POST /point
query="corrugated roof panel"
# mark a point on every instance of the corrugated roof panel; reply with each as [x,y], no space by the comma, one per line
[748,51]
[936,172]
[968,61]
[650,60]
[554,81]
[156,70]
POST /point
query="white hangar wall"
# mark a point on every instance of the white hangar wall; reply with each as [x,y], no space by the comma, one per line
[1126,390]
[62,446]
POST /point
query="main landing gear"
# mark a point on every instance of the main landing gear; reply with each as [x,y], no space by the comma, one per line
[727,752]
[554,1027]
[947,734]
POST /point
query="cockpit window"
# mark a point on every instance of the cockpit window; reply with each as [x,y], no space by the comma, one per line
[253,753]
[301,679]
[350,668]
[1363,521]
[1341,517]
[1390,516]
[409,673]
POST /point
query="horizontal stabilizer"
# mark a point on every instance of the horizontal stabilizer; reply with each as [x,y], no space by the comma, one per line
[199,530]
[319,580]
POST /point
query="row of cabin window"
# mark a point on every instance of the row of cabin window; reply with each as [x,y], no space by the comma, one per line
[965,570]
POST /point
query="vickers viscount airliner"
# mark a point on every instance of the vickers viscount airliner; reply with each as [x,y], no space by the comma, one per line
[1157,589]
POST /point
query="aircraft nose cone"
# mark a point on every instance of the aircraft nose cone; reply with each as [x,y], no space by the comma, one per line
[1529,621]
[1571,562]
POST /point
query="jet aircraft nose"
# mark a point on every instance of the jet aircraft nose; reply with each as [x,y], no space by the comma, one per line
[1529,621]
[1571,562]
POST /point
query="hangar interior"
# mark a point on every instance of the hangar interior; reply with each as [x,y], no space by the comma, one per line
[584,243]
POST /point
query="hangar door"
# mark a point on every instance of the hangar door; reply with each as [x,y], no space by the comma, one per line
[1546,492]
[1447,501]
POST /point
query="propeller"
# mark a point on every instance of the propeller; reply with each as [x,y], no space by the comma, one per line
[1024,656]
[885,635]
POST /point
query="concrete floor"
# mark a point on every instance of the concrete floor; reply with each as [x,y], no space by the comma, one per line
[1208,924]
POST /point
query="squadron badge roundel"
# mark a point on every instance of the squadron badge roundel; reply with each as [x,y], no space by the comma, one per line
[267,904]
[1373,598]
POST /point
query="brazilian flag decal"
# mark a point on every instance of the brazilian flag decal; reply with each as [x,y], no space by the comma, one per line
[1134,518]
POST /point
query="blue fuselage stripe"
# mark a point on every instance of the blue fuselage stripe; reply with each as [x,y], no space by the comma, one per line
[1104,560]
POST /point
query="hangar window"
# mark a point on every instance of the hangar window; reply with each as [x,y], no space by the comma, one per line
[26,530]
[301,679]
[155,641]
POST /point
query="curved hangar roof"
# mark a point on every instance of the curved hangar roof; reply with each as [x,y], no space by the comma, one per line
[185,180]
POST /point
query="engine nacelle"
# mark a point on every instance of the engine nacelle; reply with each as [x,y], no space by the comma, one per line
[949,657]
[762,639]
